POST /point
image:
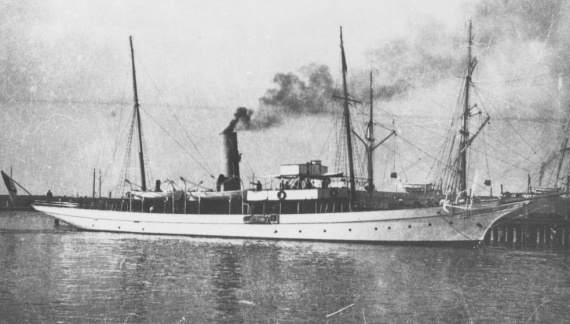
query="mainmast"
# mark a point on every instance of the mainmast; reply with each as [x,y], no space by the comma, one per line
[466,113]
[138,114]
[370,142]
[370,138]
[347,126]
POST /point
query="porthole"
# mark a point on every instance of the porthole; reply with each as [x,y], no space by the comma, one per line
[350,229]
[375,228]
[299,231]
[324,231]
[450,223]
[429,224]
[389,227]
[409,226]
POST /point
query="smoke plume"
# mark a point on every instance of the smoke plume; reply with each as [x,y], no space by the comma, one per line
[293,96]
[427,56]
[242,115]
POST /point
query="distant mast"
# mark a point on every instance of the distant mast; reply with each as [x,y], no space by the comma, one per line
[137,112]
[564,146]
[347,126]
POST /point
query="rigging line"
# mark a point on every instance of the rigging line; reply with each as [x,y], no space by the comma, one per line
[486,155]
[411,164]
[511,170]
[507,102]
[177,142]
[424,152]
[121,111]
[477,92]
[532,77]
[505,162]
[437,103]
[325,144]
[422,127]
[247,161]
[193,144]
[517,153]
[357,149]
[150,176]
[177,119]
[118,134]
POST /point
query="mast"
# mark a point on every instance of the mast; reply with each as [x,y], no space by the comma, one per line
[370,139]
[138,114]
[93,183]
[465,125]
[564,146]
[563,150]
[370,142]
[347,125]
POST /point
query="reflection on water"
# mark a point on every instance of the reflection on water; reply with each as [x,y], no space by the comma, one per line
[58,274]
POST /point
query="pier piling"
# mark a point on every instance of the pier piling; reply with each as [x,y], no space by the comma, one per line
[539,232]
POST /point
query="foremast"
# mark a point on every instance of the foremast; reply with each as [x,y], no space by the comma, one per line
[138,116]
[466,114]
[347,126]
[466,141]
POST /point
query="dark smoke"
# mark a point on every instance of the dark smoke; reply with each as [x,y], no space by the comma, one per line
[243,115]
[545,165]
[428,56]
[388,91]
[294,97]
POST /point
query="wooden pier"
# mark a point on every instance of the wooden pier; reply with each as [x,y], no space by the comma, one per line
[536,230]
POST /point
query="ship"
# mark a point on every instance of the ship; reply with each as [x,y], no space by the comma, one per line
[551,198]
[309,203]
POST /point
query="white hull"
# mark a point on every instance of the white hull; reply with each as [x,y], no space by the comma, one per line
[405,225]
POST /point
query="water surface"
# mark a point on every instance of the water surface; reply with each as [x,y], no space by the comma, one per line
[60,275]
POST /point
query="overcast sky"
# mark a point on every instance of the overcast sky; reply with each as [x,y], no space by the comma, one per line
[66,83]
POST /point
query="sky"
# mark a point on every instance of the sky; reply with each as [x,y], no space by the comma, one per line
[67,89]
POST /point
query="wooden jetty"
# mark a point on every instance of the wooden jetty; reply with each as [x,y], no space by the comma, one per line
[547,230]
